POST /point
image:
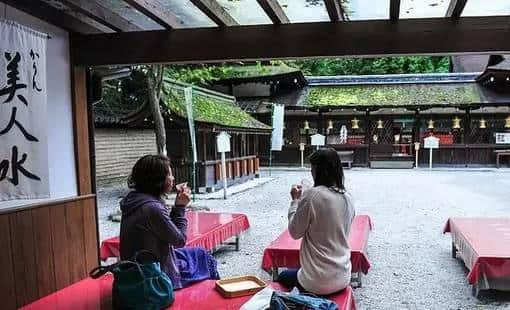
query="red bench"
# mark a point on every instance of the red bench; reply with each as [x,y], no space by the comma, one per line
[90,294]
[284,251]
[484,246]
[205,229]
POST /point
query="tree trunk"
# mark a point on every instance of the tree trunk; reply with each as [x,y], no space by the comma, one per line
[154,83]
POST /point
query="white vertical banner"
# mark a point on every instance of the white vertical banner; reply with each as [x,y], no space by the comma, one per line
[188,97]
[277,137]
[23,119]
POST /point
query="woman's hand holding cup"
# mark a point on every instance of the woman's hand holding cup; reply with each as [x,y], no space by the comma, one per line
[296,191]
[183,197]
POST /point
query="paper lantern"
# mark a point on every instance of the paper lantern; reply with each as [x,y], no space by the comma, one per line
[380,124]
[355,123]
[456,123]
[330,125]
[483,123]
[430,124]
[507,122]
[307,126]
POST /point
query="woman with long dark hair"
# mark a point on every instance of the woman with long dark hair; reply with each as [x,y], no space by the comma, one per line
[322,216]
[147,224]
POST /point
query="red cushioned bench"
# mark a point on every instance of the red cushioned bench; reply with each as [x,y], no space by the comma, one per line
[484,246]
[205,229]
[92,294]
[284,251]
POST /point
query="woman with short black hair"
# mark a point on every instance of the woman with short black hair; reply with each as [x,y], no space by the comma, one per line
[147,224]
[322,216]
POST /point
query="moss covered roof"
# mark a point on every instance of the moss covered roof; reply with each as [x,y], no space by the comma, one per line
[208,107]
[260,70]
[394,95]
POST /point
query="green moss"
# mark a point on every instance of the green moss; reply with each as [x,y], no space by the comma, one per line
[402,95]
[260,70]
[208,108]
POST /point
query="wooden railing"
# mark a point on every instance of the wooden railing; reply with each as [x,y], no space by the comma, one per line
[209,172]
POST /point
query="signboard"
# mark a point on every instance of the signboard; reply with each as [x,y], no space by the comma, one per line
[431,142]
[502,137]
[277,136]
[318,139]
[223,142]
[24,172]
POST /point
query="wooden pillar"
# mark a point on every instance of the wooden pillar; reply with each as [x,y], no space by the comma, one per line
[320,123]
[368,138]
[467,140]
[204,146]
[82,149]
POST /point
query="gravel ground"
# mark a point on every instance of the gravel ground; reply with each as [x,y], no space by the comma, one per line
[411,261]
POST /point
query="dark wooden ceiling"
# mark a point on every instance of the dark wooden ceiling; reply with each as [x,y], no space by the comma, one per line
[150,31]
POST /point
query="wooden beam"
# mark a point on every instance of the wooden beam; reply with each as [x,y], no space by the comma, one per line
[394,9]
[456,7]
[435,36]
[335,10]
[59,5]
[101,15]
[274,11]
[153,10]
[52,15]
[216,12]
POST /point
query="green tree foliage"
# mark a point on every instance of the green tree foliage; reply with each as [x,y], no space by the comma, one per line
[364,66]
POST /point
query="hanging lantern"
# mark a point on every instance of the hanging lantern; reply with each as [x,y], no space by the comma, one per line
[380,124]
[456,123]
[330,125]
[307,126]
[355,123]
[430,124]
[507,122]
[483,123]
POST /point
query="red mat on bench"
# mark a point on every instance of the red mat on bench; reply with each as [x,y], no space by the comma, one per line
[205,229]
[483,244]
[284,251]
[90,294]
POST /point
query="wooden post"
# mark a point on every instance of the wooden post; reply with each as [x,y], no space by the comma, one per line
[430,158]
[81,130]
[224,174]
[417,125]
[368,139]
[467,132]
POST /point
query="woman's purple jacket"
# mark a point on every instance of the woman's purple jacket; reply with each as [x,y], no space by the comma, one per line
[147,225]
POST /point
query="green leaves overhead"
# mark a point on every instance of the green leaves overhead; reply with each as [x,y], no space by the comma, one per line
[402,95]
[364,66]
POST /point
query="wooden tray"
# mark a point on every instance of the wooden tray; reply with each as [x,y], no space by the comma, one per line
[239,286]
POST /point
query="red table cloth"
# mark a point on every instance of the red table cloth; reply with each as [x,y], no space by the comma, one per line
[90,294]
[483,244]
[284,251]
[205,229]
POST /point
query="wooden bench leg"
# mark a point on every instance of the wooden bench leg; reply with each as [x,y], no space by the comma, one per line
[274,273]
[454,250]
[237,242]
